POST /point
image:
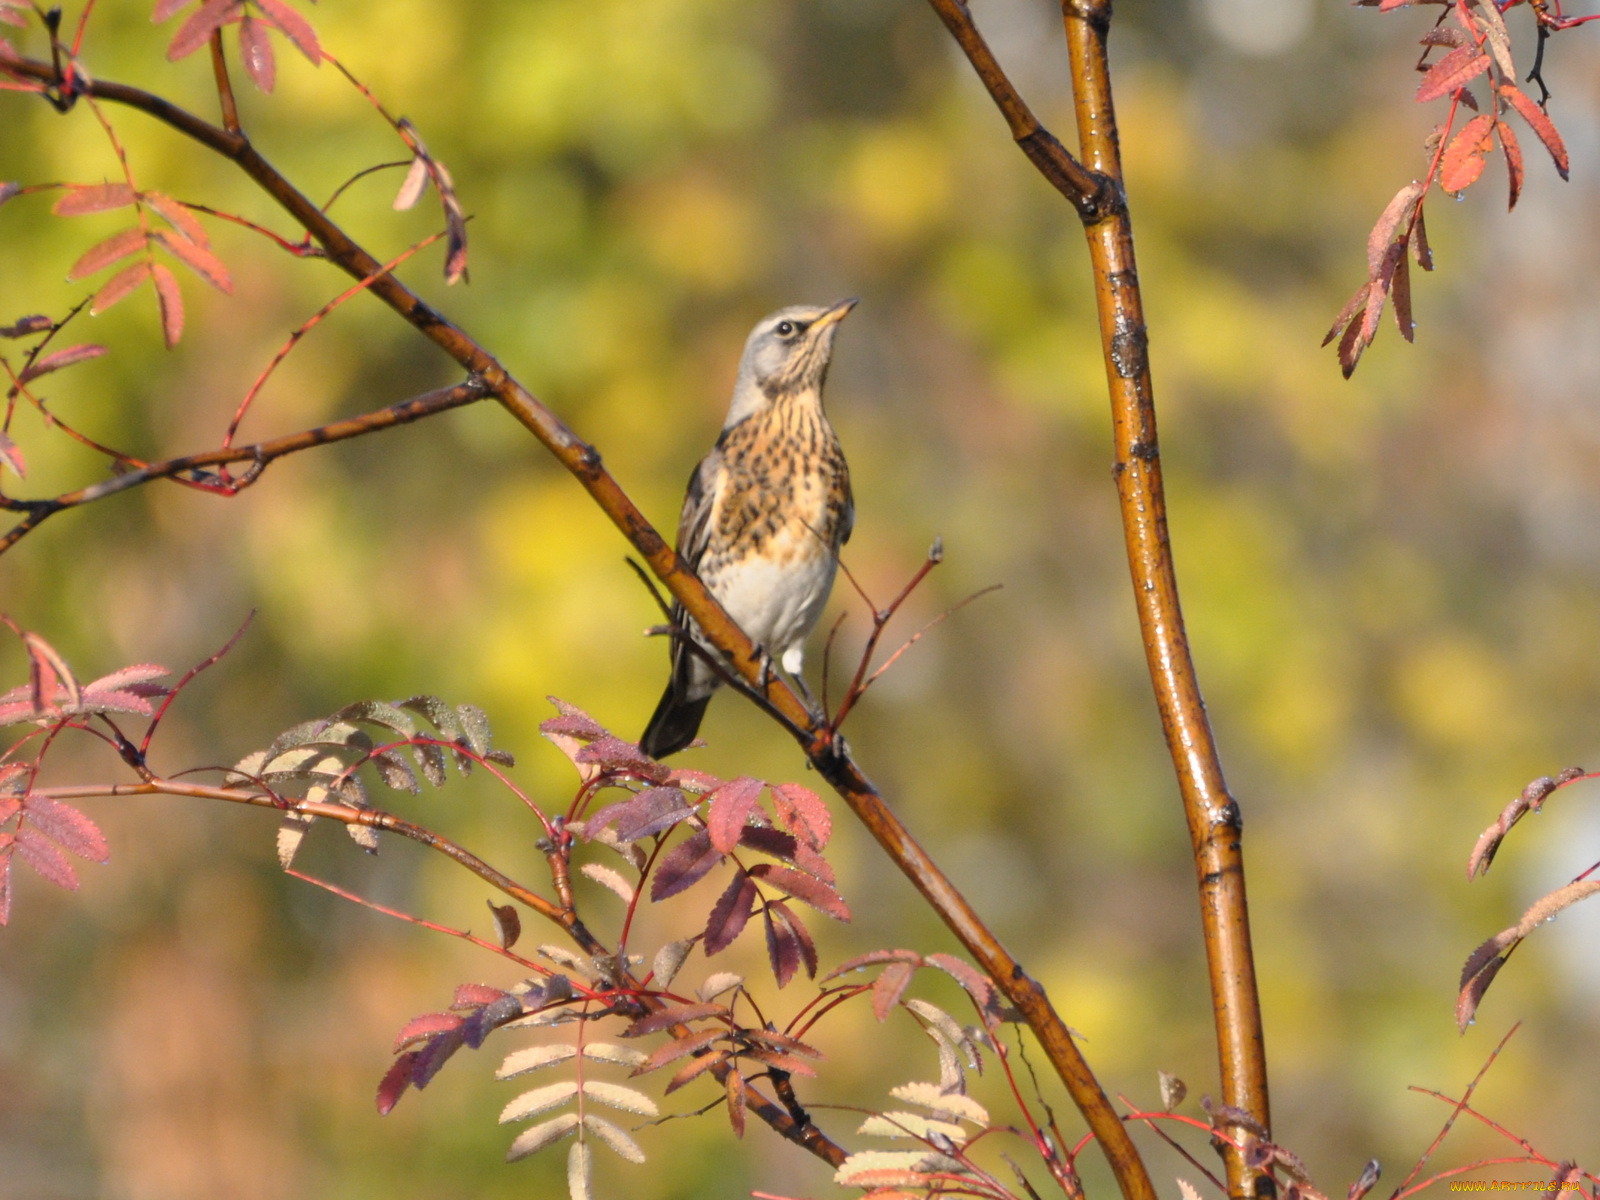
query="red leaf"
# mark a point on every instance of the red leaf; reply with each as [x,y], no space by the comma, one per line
[1539,122]
[1513,153]
[731,806]
[677,1048]
[93,198]
[1464,156]
[50,679]
[68,827]
[730,913]
[684,866]
[169,298]
[117,246]
[783,952]
[977,984]
[1390,5]
[804,887]
[1401,292]
[1451,72]
[119,286]
[887,990]
[614,754]
[872,958]
[256,51]
[179,215]
[1352,306]
[475,995]
[734,1083]
[1419,243]
[651,811]
[680,1014]
[394,1082]
[40,853]
[808,949]
[11,455]
[294,27]
[61,358]
[198,259]
[695,1068]
[1384,232]
[197,30]
[427,1025]
[12,16]
[802,812]
[5,889]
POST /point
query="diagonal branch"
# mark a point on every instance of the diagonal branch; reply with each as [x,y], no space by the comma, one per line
[826,753]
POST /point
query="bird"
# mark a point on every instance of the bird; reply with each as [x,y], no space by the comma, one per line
[765,513]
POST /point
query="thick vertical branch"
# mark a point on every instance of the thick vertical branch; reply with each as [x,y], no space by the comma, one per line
[1214,821]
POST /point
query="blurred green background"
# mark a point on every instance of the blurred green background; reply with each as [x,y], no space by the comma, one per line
[1390,583]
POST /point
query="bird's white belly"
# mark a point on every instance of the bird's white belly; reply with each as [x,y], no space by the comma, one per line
[776,599]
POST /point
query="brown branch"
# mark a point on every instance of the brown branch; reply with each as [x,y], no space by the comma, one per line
[1093,195]
[829,757]
[1213,816]
[258,455]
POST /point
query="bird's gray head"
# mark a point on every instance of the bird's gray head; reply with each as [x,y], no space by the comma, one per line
[786,353]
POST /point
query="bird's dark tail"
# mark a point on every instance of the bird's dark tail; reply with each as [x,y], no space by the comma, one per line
[674,725]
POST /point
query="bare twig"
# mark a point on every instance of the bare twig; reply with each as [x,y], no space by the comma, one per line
[191,468]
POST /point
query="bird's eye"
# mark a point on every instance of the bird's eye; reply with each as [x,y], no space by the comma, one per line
[785,329]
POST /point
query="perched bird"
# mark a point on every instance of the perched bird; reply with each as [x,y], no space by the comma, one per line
[766,512]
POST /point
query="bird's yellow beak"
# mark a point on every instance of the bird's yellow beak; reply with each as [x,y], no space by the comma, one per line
[835,314]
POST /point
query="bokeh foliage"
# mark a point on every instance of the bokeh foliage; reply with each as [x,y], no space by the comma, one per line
[1390,582]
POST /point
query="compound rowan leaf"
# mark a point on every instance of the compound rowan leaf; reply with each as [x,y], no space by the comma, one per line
[119,286]
[256,51]
[1455,70]
[92,198]
[103,254]
[169,298]
[1464,157]
[1539,122]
